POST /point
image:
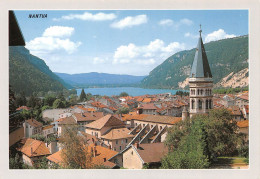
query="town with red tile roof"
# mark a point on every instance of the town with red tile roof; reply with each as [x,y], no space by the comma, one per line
[130,132]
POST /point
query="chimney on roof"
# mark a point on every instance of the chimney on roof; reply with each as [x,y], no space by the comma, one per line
[95,151]
[136,145]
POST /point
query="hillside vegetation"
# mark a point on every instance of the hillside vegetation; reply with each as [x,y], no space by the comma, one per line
[95,78]
[28,73]
[225,56]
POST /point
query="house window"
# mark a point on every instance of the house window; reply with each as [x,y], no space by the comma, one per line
[132,153]
[122,141]
[151,126]
[192,104]
[114,148]
[200,104]
[120,148]
[143,125]
[126,141]
[160,127]
[116,141]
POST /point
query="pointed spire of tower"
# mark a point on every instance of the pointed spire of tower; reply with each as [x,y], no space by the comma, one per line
[200,30]
[200,67]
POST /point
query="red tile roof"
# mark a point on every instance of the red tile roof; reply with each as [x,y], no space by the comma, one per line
[23,108]
[67,120]
[47,127]
[56,157]
[247,108]
[161,119]
[119,133]
[128,117]
[88,116]
[98,105]
[101,156]
[148,106]
[235,110]
[33,148]
[152,152]
[108,121]
[242,124]
[244,96]
[34,123]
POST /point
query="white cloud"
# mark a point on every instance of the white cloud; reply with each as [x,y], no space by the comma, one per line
[58,31]
[191,35]
[217,35]
[146,54]
[186,22]
[88,16]
[98,60]
[166,22]
[130,21]
[51,42]
[176,24]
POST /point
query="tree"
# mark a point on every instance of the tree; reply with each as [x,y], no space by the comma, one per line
[192,150]
[49,100]
[123,94]
[20,99]
[38,137]
[33,101]
[58,103]
[15,163]
[195,142]
[82,96]
[89,96]
[12,106]
[42,163]
[221,130]
[74,150]
[123,110]
[73,99]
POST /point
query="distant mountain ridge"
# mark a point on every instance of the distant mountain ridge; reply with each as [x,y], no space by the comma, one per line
[99,78]
[227,59]
[28,73]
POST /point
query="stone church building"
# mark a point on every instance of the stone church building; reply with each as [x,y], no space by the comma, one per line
[200,83]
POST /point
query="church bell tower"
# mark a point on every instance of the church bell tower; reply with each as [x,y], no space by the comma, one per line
[200,82]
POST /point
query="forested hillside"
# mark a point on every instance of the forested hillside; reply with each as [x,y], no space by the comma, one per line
[28,73]
[225,56]
[99,78]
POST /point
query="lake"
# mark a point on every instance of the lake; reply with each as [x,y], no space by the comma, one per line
[132,91]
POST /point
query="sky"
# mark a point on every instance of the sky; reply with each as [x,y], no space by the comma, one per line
[130,42]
